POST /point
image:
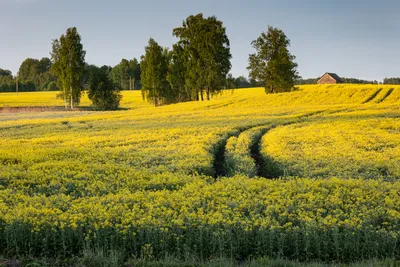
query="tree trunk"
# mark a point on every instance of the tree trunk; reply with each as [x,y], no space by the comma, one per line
[133,83]
[65,98]
[201,94]
[208,93]
[197,95]
[130,83]
[72,98]
[271,88]
[16,85]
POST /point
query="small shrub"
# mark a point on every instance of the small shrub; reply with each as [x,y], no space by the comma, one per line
[102,91]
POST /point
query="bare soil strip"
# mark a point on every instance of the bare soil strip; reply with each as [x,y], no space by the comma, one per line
[386,95]
[34,109]
[372,96]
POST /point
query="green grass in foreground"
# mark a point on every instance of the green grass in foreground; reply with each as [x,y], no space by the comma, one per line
[114,259]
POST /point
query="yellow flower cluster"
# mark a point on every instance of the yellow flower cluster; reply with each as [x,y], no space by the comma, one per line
[251,203]
[146,175]
[238,152]
[341,147]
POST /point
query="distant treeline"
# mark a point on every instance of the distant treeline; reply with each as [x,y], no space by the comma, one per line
[346,80]
[391,81]
[241,82]
[36,75]
[9,84]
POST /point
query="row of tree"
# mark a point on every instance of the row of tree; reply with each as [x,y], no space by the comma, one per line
[33,75]
[196,67]
[8,83]
[36,75]
[123,76]
[391,81]
[37,72]
[126,75]
[241,82]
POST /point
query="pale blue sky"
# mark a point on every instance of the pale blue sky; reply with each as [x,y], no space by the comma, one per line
[354,38]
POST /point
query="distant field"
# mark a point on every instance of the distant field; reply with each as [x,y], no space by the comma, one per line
[307,94]
[50,99]
[311,175]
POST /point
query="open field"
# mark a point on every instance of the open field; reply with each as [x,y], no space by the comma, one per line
[311,175]
[346,148]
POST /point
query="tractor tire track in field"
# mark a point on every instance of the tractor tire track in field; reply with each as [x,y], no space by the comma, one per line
[219,156]
[219,159]
[264,167]
[255,152]
[371,97]
[257,157]
[388,93]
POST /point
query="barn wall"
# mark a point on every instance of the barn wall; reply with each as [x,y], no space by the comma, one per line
[327,79]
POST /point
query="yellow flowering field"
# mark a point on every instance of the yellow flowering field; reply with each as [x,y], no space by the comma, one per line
[306,175]
[346,148]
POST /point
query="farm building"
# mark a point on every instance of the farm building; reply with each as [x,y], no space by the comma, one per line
[330,78]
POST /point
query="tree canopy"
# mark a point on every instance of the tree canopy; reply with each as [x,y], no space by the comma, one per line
[68,59]
[154,66]
[272,64]
[5,73]
[126,75]
[101,90]
[391,81]
[197,65]
[176,75]
[205,49]
[37,73]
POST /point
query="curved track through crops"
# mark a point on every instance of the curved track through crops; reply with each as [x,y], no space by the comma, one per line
[188,179]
